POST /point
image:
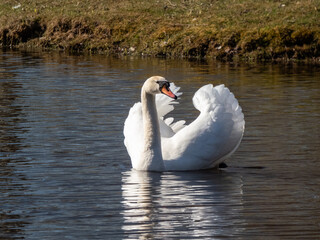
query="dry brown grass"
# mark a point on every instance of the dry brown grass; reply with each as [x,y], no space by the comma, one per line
[224,29]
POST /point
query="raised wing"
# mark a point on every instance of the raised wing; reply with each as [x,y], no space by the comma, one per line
[210,138]
[165,105]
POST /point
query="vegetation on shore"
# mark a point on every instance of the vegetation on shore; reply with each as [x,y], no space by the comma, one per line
[226,29]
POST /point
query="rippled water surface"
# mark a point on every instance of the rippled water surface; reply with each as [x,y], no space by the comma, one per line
[65,173]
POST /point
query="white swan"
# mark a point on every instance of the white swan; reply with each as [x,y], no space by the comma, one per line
[158,144]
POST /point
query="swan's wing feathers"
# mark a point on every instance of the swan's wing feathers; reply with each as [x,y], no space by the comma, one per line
[169,120]
[165,128]
[133,133]
[164,103]
[177,126]
[204,98]
[212,137]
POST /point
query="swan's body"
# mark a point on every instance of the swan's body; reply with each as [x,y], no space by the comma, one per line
[155,144]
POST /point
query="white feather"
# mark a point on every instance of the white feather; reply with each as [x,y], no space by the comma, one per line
[207,141]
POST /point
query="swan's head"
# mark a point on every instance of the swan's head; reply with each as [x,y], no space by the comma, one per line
[156,85]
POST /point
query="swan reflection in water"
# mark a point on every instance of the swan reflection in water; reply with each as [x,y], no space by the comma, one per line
[181,204]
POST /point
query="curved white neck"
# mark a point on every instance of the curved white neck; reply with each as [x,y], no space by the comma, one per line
[152,156]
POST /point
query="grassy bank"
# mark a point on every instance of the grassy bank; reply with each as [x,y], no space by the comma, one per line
[226,29]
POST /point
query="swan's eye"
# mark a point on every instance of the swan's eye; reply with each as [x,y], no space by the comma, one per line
[163,84]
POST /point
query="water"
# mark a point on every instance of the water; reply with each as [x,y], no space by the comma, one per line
[65,173]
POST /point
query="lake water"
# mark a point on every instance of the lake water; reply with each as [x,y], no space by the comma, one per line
[65,173]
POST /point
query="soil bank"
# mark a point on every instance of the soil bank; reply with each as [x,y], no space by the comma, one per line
[227,29]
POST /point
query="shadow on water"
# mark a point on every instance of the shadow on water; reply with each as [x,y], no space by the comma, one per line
[202,204]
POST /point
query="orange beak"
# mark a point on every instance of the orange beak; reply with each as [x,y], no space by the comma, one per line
[168,92]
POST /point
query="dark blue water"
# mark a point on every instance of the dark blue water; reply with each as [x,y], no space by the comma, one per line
[65,173]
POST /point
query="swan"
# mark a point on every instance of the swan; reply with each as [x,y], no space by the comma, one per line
[156,143]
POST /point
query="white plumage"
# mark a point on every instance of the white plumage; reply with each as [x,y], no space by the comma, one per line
[207,141]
